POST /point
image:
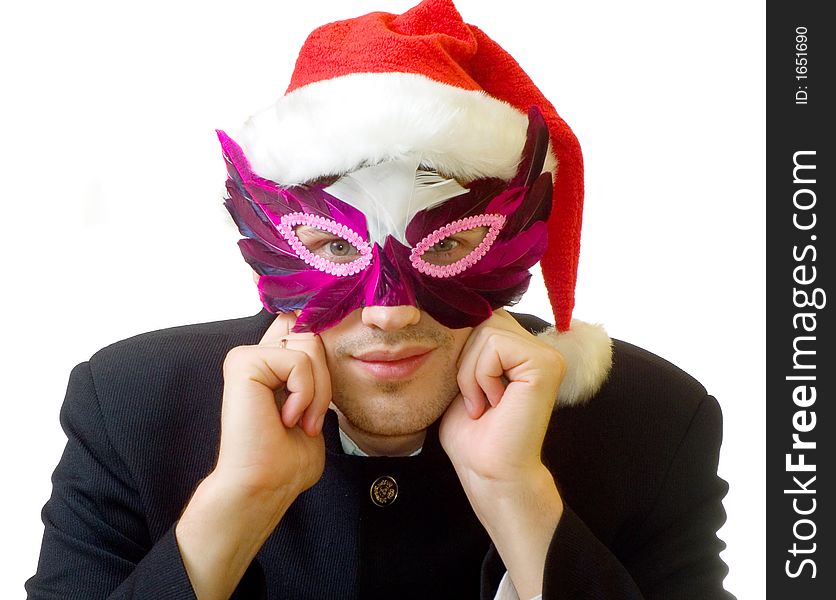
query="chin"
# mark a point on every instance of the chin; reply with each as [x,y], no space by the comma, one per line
[394,414]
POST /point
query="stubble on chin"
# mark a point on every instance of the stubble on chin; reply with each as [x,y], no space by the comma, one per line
[395,408]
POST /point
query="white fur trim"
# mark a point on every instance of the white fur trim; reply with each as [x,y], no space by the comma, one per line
[587,350]
[335,126]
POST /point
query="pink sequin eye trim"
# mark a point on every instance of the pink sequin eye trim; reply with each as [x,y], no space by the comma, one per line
[289,222]
[494,222]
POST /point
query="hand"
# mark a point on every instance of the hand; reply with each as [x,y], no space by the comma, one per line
[508,380]
[274,402]
[493,433]
[275,398]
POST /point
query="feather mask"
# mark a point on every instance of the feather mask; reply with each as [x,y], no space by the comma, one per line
[393,234]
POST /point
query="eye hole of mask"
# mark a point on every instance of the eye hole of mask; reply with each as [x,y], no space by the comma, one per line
[325,244]
[457,246]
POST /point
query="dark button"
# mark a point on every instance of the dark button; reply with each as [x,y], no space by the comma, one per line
[384,490]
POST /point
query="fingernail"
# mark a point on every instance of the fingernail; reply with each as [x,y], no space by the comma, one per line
[468,405]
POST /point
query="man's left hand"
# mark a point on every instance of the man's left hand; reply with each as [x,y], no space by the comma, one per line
[493,433]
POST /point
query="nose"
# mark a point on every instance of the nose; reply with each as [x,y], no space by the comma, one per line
[390,318]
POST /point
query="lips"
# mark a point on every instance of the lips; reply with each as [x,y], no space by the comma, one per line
[393,364]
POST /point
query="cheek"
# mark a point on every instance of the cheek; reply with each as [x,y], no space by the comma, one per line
[460,337]
[334,339]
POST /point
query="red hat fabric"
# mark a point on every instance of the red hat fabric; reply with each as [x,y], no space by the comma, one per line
[426,84]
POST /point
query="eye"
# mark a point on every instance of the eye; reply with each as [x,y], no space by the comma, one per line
[320,242]
[325,244]
[453,248]
[445,245]
[342,248]
[458,245]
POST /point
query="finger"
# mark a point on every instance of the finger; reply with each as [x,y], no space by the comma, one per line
[307,411]
[300,386]
[489,363]
[489,372]
[252,374]
[502,319]
[474,397]
[309,414]
[457,412]
[499,319]
[468,345]
[281,326]
[314,415]
[504,314]
[474,409]
[250,369]
[255,373]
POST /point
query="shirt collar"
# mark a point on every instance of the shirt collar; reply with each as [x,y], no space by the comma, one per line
[352,449]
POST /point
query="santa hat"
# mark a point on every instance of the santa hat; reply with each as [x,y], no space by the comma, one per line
[426,84]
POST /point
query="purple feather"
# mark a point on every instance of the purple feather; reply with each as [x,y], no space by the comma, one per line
[266,261]
[474,202]
[333,303]
[524,249]
[394,271]
[346,214]
[275,297]
[251,220]
[495,288]
[297,284]
[452,304]
[534,207]
[535,150]
[275,201]
[498,279]
[446,300]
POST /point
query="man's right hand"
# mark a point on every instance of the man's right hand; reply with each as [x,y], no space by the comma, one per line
[266,451]
[274,402]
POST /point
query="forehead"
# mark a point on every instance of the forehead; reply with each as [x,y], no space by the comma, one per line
[391,193]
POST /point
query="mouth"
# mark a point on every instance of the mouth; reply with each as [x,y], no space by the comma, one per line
[393,364]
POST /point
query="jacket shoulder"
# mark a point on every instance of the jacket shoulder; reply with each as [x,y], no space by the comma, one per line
[647,403]
[158,398]
[636,376]
[619,445]
[643,376]
[161,370]
[178,343]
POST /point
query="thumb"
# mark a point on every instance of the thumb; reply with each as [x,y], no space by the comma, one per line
[459,411]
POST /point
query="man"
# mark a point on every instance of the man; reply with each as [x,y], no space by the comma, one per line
[392,203]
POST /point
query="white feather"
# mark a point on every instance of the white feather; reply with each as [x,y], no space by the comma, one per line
[391,193]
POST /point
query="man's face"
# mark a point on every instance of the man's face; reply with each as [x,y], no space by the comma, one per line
[392,234]
[393,369]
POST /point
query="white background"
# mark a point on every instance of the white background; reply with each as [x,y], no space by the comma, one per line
[112,180]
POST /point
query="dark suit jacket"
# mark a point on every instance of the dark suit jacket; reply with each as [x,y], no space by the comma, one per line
[636,466]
